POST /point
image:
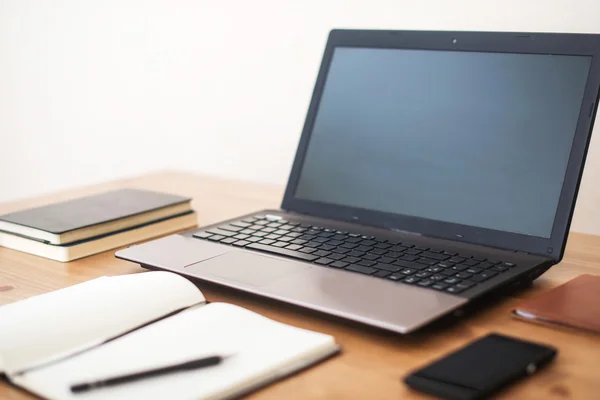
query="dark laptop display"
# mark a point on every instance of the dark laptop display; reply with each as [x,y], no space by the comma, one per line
[480,139]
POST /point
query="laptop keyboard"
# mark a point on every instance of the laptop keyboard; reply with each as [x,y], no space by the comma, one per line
[433,268]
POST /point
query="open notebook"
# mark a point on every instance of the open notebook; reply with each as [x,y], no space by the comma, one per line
[116,325]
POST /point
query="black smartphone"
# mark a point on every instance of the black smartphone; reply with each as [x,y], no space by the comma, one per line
[481,368]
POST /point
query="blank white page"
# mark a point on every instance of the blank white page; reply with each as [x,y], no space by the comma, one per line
[261,349]
[59,323]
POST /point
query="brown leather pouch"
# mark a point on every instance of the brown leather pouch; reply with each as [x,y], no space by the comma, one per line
[575,304]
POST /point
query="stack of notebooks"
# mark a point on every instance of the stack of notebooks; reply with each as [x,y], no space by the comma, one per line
[112,327]
[78,228]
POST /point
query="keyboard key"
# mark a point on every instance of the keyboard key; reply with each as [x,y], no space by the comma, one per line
[509,264]
[452,281]
[423,274]
[263,222]
[398,248]
[486,265]
[409,257]
[299,241]
[255,227]
[307,250]
[421,248]
[460,267]
[325,235]
[408,271]
[335,256]
[413,252]
[340,250]
[231,228]
[368,243]
[293,246]
[354,235]
[307,237]
[228,240]
[353,240]
[454,289]
[366,263]
[463,275]
[434,269]
[221,232]
[272,236]
[387,267]
[456,260]
[339,237]
[202,235]
[248,231]
[438,251]
[470,263]
[371,257]
[351,260]
[474,270]
[426,261]
[447,272]
[382,246]
[445,264]
[326,247]
[216,238]
[280,232]
[465,284]
[409,264]
[241,243]
[435,256]
[269,230]
[313,244]
[241,236]
[293,223]
[499,268]
[324,261]
[393,254]
[299,229]
[254,239]
[410,280]
[321,253]
[425,283]
[364,248]
[355,253]
[338,264]
[294,234]
[477,258]
[285,239]
[439,286]
[379,252]
[274,225]
[283,252]
[450,253]
[484,276]
[387,260]
[349,245]
[280,244]
[361,269]
[381,274]
[267,241]
[335,242]
[395,277]
[319,239]
[250,220]
[437,277]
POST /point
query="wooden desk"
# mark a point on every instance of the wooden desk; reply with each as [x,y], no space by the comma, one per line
[373,361]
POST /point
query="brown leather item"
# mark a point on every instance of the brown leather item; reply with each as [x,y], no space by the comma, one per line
[574,304]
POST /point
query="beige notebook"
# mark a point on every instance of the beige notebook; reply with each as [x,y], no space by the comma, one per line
[104,328]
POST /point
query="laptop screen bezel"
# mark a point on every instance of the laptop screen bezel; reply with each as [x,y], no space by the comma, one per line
[497,42]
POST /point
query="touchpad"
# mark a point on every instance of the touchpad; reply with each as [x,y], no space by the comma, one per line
[247,268]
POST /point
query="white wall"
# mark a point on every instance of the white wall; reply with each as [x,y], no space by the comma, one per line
[95,90]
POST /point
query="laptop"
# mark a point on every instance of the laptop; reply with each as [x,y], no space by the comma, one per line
[435,169]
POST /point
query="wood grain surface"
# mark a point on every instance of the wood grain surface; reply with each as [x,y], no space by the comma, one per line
[372,362]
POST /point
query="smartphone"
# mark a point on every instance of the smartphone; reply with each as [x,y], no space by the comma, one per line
[481,368]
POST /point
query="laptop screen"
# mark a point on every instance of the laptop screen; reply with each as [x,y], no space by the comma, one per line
[479,139]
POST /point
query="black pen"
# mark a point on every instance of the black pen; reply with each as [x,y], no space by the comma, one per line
[117,380]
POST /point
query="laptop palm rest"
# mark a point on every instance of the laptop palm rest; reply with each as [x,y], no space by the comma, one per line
[246,268]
